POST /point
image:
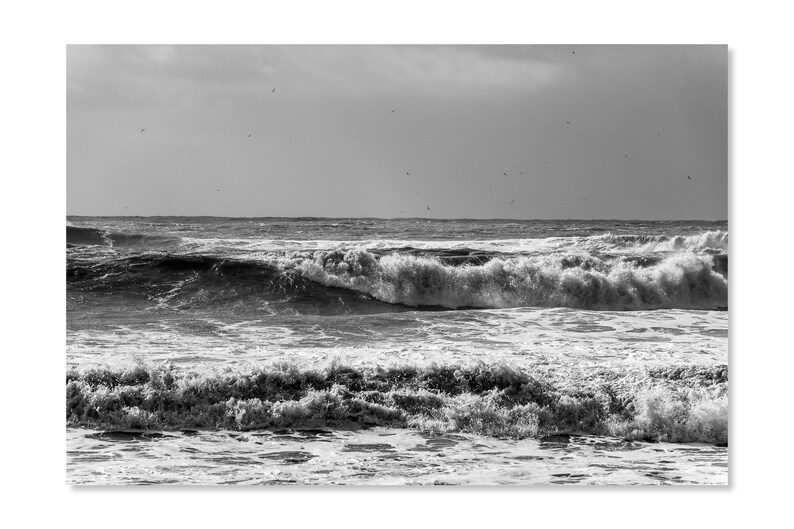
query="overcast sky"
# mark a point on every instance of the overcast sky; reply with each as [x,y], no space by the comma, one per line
[626,132]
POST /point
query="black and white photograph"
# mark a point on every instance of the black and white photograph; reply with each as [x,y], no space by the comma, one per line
[380,265]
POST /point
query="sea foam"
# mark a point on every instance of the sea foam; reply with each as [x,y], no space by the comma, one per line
[677,404]
[682,280]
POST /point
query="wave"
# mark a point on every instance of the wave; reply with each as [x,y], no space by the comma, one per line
[82,236]
[683,280]
[675,403]
[78,235]
[180,282]
[706,241]
[359,280]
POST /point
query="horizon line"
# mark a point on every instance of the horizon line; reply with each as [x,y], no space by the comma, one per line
[398,218]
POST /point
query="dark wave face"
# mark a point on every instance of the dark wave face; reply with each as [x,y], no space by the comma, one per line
[79,236]
[90,236]
[187,283]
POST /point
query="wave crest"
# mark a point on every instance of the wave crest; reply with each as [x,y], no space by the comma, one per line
[683,280]
[702,242]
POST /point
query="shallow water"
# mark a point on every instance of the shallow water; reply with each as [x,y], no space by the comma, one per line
[382,456]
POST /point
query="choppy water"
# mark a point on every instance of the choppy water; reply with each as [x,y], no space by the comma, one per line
[471,352]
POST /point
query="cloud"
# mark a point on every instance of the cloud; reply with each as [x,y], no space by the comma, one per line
[165,72]
[435,70]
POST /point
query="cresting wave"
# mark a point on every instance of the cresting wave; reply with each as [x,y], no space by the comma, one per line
[710,240]
[682,280]
[675,404]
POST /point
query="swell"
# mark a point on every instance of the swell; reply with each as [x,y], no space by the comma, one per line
[673,403]
[82,236]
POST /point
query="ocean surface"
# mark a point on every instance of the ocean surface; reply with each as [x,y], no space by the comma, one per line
[207,350]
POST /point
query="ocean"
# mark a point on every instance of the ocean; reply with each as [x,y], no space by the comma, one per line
[209,350]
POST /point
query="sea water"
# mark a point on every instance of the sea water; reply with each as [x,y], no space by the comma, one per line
[403,351]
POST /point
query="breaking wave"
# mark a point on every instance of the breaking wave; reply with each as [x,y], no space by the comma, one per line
[674,404]
[702,242]
[361,280]
[682,280]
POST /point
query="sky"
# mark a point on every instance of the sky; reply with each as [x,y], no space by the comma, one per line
[522,132]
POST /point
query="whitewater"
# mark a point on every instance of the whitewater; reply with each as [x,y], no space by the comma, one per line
[213,350]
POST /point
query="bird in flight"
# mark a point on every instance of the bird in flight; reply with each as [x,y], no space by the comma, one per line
[273,90]
[504,174]
[392,110]
[142,131]
[689,177]
[407,173]
[626,155]
[249,135]
[520,172]
[512,201]
[428,208]
[217,190]
[568,122]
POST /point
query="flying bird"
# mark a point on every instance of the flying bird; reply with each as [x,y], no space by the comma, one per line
[504,174]
[512,201]
[568,122]
[249,135]
[689,177]
[392,110]
[626,155]
[428,208]
[407,173]
[273,90]
[142,131]
[520,172]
